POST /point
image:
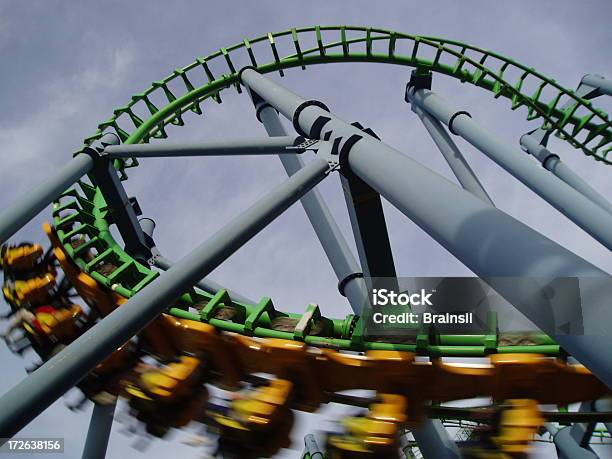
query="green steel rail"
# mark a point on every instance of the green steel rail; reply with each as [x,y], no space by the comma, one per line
[81,214]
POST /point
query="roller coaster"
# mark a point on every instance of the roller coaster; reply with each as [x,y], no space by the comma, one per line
[118,319]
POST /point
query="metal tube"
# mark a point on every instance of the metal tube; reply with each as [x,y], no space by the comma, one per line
[32,202]
[488,241]
[597,81]
[30,397]
[604,404]
[434,442]
[265,146]
[311,447]
[586,214]
[334,245]
[208,285]
[568,448]
[462,170]
[99,431]
[553,163]
[147,225]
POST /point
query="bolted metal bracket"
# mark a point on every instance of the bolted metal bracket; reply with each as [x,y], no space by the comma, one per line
[326,150]
[419,79]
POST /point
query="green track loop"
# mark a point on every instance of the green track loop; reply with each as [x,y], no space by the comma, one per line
[82,213]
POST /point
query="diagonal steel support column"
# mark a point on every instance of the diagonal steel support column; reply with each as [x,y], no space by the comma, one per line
[31,203]
[566,445]
[265,146]
[36,392]
[488,241]
[553,163]
[350,278]
[578,208]
[370,232]
[99,431]
[460,167]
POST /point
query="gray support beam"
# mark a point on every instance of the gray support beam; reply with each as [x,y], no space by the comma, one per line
[28,205]
[568,448]
[434,442]
[312,448]
[36,392]
[348,273]
[582,432]
[265,146]
[99,431]
[489,242]
[602,85]
[578,208]
[604,405]
[208,285]
[370,231]
[460,167]
[553,163]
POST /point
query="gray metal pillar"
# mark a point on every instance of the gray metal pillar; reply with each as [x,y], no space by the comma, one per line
[462,170]
[602,85]
[31,203]
[312,448]
[350,281]
[604,404]
[36,392]
[370,231]
[489,242]
[434,442]
[99,431]
[568,448]
[265,146]
[586,214]
[553,163]
[582,432]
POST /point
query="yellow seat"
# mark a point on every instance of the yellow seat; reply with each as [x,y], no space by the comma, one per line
[173,381]
[20,259]
[518,425]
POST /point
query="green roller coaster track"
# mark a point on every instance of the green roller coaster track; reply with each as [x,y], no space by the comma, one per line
[84,214]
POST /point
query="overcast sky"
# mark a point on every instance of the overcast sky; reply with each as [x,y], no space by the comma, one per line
[67,65]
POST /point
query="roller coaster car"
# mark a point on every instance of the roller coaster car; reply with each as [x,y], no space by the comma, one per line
[264,406]
[21,258]
[374,435]
[203,339]
[35,291]
[258,426]
[285,359]
[55,325]
[168,397]
[172,382]
[518,421]
[105,379]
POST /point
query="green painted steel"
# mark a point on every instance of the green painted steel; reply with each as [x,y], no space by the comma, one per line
[580,123]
